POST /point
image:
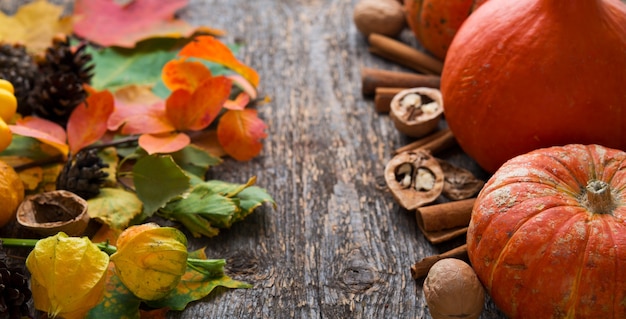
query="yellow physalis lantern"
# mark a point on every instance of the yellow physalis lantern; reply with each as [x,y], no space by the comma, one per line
[67,275]
[150,260]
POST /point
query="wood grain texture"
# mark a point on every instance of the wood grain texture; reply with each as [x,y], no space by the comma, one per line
[337,245]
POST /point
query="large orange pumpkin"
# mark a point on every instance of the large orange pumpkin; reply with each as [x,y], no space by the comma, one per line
[522,75]
[435,22]
[547,237]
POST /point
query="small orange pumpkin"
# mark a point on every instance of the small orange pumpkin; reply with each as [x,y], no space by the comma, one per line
[522,75]
[435,22]
[547,237]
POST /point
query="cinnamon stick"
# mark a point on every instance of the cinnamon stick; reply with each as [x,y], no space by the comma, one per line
[372,78]
[435,142]
[446,215]
[403,54]
[420,269]
[383,97]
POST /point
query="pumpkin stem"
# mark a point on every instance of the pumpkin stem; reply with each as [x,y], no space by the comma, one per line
[599,198]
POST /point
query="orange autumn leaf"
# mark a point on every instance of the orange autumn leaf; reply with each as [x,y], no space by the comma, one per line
[164,143]
[186,75]
[88,122]
[240,133]
[139,119]
[239,103]
[195,111]
[43,130]
[211,49]
[109,24]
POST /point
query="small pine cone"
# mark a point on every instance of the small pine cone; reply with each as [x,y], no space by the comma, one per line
[61,57]
[64,70]
[84,175]
[15,293]
[18,67]
[57,96]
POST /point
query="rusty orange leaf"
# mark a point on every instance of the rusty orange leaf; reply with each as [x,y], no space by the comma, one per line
[211,49]
[186,75]
[43,130]
[140,119]
[243,84]
[239,103]
[110,24]
[164,143]
[88,121]
[197,110]
[240,133]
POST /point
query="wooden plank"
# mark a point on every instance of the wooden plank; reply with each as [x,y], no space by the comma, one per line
[337,245]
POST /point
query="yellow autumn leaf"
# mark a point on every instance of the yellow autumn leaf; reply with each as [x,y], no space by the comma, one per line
[34,25]
[67,275]
[115,207]
[150,260]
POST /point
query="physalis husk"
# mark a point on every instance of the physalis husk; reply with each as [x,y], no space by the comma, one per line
[67,275]
[150,259]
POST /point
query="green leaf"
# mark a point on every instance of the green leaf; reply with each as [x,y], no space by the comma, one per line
[118,301]
[195,160]
[115,207]
[28,147]
[227,189]
[217,209]
[251,198]
[118,67]
[202,276]
[158,180]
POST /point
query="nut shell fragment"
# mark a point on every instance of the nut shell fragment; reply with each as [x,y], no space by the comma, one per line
[414,178]
[52,212]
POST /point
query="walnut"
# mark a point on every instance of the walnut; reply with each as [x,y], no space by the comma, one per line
[384,17]
[452,290]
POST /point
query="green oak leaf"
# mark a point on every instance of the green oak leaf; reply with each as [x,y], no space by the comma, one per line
[158,180]
[115,207]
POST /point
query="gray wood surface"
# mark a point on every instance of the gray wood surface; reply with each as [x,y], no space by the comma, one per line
[337,245]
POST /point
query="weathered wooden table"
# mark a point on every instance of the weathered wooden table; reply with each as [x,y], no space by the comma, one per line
[337,245]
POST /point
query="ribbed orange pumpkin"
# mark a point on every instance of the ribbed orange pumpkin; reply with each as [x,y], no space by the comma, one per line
[522,75]
[547,237]
[435,22]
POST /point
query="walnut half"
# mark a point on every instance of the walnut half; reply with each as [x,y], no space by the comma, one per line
[417,111]
[414,178]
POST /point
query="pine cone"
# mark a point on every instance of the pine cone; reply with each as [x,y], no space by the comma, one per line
[84,175]
[15,293]
[19,68]
[60,57]
[63,72]
[57,96]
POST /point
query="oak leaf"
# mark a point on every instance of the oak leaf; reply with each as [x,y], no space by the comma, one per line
[35,25]
[109,24]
